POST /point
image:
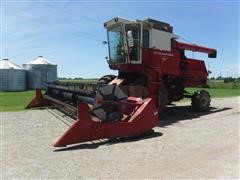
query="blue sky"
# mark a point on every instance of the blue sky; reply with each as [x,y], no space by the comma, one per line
[70,33]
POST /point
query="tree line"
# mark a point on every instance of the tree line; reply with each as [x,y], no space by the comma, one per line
[77,78]
[226,79]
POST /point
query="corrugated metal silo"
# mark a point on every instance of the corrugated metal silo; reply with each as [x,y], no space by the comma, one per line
[12,76]
[39,72]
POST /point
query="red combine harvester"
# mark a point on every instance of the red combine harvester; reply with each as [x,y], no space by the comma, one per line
[153,71]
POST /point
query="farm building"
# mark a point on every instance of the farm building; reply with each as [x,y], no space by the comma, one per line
[40,72]
[12,76]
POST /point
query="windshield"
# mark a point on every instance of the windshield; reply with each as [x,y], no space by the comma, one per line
[115,41]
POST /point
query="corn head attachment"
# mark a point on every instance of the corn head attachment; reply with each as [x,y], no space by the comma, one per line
[101,111]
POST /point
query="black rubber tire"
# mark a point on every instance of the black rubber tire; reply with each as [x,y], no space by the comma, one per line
[106,79]
[201,101]
[163,98]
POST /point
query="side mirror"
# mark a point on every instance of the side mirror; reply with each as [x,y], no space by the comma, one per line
[104,42]
[130,39]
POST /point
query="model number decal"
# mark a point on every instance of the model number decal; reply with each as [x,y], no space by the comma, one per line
[162,53]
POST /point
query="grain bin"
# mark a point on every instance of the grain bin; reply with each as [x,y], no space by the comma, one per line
[39,72]
[12,76]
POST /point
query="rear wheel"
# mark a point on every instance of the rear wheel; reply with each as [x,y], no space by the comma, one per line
[201,100]
[106,79]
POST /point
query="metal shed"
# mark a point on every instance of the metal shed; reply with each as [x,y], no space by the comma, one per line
[40,71]
[12,76]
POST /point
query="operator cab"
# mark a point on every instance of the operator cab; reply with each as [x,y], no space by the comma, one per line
[123,41]
[126,39]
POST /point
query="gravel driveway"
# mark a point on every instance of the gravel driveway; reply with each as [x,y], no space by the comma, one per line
[185,145]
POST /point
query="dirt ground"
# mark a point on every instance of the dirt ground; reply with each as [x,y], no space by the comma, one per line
[185,145]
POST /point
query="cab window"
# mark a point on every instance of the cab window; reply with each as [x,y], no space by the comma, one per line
[145,40]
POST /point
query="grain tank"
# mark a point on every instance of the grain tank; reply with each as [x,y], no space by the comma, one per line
[40,72]
[12,76]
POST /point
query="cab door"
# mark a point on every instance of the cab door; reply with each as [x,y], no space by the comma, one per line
[134,42]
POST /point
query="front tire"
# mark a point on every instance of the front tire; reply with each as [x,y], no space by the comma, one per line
[201,101]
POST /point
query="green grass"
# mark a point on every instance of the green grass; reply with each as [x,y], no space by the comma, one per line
[15,101]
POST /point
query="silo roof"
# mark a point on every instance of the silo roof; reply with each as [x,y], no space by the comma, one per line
[6,64]
[40,60]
